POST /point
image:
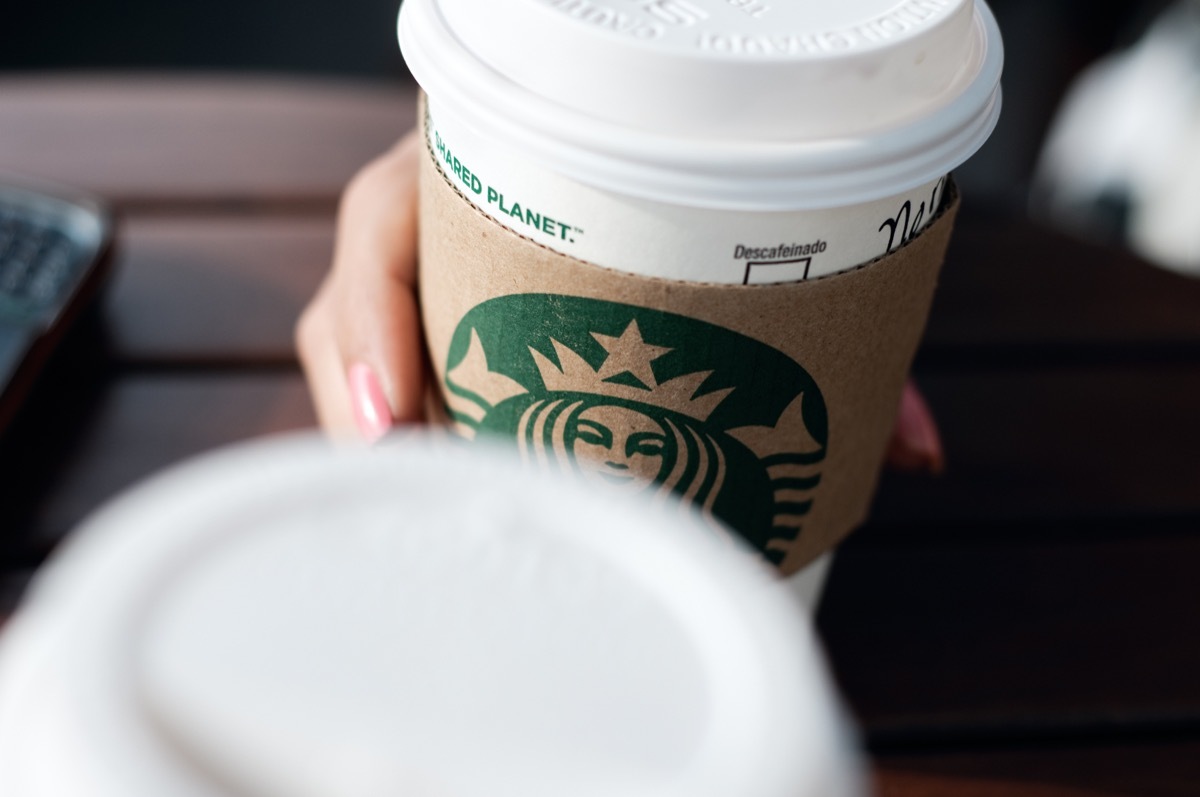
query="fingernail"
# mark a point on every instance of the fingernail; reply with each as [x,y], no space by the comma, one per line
[371,410]
[916,444]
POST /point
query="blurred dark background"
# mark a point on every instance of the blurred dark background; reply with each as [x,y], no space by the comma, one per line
[344,37]
[1048,43]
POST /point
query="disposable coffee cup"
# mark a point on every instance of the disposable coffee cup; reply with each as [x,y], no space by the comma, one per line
[287,620]
[689,246]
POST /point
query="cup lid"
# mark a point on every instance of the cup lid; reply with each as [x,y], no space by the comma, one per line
[807,104]
[285,619]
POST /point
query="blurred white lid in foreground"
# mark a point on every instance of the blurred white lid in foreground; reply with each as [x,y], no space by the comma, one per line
[289,620]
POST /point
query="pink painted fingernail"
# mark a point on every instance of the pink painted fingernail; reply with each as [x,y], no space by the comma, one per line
[916,444]
[371,410]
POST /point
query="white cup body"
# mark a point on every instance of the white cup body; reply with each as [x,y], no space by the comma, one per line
[661,239]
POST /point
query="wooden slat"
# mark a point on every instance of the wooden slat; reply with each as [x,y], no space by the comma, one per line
[1122,302]
[1056,444]
[1132,770]
[1061,449]
[1011,282]
[214,289]
[152,139]
[952,644]
[139,425]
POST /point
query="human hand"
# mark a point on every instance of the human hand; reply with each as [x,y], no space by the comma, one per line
[359,339]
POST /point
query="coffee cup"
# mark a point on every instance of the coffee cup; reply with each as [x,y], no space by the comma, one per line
[688,247]
[284,619]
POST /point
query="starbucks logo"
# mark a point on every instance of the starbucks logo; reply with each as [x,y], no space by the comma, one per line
[643,400]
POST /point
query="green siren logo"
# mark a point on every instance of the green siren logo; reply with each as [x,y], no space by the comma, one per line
[640,399]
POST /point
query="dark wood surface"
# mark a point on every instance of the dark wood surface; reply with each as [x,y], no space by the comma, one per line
[1025,624]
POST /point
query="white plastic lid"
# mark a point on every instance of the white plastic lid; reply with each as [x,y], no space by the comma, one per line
[757,104]
[283,620]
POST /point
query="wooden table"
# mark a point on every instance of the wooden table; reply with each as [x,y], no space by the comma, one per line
[1027,624]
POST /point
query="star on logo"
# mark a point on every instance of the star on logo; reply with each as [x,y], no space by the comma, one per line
[629,353]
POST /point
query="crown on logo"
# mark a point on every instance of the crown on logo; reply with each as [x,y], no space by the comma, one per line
[628,353]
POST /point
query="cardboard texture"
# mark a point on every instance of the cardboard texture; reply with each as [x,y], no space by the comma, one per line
[769,407]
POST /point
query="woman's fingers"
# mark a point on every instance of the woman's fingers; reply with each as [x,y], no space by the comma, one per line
[322,363]
[360,338]
[915,443]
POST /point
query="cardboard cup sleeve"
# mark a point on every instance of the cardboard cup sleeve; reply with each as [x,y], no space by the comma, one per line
[767,407]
